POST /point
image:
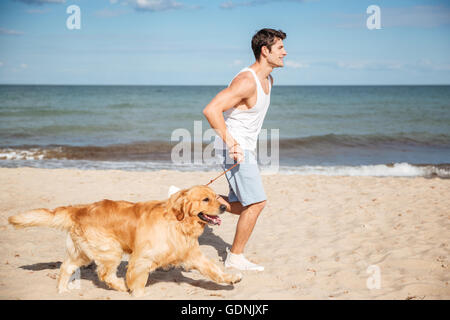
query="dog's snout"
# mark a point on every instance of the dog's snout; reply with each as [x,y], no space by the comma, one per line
[223,208]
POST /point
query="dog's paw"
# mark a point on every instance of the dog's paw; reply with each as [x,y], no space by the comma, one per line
[138,293]
[237,277]
[120,286]
[63,290]
[233,278]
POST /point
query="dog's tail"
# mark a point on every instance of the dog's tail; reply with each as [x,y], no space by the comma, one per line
[59,218]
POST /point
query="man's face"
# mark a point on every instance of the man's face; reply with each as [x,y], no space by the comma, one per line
[276,55]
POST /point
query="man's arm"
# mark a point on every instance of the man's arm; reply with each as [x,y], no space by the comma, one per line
[241,88]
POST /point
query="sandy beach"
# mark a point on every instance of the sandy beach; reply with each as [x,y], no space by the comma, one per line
[320,237]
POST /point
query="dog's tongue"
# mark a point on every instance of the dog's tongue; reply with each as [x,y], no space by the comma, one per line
[215,219]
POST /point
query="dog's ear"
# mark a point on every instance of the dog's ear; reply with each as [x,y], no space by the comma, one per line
[176,204]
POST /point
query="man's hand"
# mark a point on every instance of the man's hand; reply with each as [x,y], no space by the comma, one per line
[236,152]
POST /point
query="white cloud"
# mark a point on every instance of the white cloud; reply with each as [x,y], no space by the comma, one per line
[296,65]
[41,2]
[230,4]
[236,63]
[370,65]
[155,5]
[427,64]
[24,66]
[421,65]
[354,64]
[424,64]
[10,32]
[108,13]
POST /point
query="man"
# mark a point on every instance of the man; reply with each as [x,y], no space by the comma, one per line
[237,114]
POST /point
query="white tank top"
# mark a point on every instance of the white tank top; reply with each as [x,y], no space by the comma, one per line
[245,125]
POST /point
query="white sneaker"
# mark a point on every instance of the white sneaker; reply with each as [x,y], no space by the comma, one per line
[238,261]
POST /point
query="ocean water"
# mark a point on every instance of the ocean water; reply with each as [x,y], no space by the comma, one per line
[334,130]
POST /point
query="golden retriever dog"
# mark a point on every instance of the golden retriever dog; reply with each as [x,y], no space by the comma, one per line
[154,233]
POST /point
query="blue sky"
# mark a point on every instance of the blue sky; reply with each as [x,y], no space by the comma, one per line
[200,42]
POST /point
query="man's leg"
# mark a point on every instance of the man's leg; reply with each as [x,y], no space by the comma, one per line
[245,225]
[246,222]
[245,187]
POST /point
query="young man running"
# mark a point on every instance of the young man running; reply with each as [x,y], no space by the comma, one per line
[237,114]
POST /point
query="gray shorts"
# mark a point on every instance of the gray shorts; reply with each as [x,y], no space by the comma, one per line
[244,180]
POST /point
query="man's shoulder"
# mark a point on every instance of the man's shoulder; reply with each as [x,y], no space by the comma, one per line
[244,81]
[244,75]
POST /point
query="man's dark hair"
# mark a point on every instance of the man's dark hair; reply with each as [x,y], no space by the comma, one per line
[265,37]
